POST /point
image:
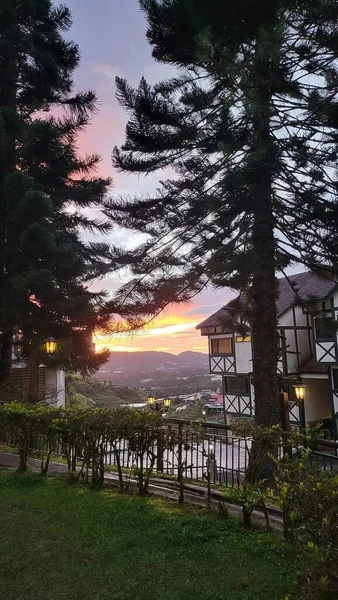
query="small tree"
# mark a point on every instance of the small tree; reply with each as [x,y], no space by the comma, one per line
[119,431]
[70,430]
[142,435]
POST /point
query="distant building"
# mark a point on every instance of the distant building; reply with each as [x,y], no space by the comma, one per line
[308,347]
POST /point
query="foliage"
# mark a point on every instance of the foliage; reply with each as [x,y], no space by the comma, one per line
[193,412]
[146,441]
[85,436]
[46,189]
[22,424]
[308,497]
[76,544]
[90,392]
[261,443]
[247,130]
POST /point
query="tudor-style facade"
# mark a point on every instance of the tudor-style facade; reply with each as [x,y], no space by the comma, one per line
[308,347]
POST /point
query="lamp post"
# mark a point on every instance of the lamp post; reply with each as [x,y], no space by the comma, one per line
[300,390]
[151,400]
[17,347]
[50,345]
[156,404]
[33,367]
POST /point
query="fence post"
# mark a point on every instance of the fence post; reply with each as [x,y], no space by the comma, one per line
[285,419]
[180,465]
[212,466]
[160,451]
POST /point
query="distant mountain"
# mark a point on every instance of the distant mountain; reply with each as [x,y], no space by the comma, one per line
[161,373]
[135,363]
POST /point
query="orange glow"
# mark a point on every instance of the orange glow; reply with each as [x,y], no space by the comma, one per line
[32,298]
[173,333]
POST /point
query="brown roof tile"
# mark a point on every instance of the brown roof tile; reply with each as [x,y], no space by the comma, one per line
[311,366]
[307,285]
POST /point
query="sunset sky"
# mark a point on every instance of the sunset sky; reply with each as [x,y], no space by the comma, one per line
[111,36]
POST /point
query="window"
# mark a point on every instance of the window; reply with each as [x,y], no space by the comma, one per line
[241,338]
[221,346]
[207,330]
[324,328]
[236,385]
[335,379]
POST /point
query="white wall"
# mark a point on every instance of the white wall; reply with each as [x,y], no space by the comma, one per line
[243,354]
[295,339]
[304,344]
[318,403]
[55,388]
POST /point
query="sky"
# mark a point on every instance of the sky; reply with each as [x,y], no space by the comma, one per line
[111,37]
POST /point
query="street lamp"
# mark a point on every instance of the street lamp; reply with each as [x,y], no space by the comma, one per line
[151,400]
[299,389]
[167,403]
[50,345]
[17,347]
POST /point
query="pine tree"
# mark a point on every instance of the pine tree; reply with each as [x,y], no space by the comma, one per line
[46,189]
[247,130]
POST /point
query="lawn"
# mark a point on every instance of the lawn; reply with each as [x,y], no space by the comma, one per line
[63,542]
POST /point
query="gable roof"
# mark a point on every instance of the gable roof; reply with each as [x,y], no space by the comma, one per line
[306,285]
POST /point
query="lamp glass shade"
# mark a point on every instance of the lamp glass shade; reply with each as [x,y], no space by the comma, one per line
[17,347]
[167,402]
[50,345]
[299,391]
[151,400]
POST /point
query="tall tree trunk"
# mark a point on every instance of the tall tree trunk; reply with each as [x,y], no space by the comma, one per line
[264,322]
[264,285]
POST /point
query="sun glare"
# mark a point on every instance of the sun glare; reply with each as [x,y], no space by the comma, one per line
[160,336]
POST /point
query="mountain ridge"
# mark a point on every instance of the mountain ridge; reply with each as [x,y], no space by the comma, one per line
[148,361]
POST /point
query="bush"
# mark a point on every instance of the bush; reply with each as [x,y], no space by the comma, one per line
[21,424]
[309,498]
[84,436]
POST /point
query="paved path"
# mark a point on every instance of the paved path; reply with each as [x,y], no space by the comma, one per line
[11,461]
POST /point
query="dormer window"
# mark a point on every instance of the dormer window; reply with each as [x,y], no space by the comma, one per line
[221,345]
[324,328]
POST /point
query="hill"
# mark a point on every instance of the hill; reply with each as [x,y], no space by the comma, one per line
[88,391]
[162,373]
[133,363]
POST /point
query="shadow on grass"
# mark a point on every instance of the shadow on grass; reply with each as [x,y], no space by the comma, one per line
[69,541]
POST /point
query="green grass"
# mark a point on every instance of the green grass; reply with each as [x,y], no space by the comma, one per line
[63,542]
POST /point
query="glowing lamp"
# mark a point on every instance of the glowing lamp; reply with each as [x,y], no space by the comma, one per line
[151,400]
[299,390]
[17,347]
[50,345]
[167,402]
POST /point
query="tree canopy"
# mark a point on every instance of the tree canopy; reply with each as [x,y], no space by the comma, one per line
[50,195]
[247,130]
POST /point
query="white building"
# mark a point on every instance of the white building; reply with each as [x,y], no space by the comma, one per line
[52,386]
[308,347]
